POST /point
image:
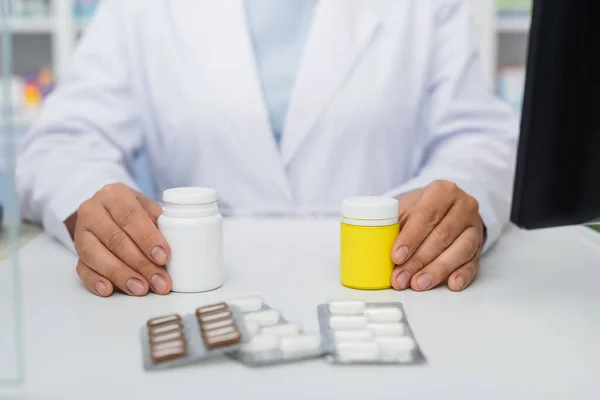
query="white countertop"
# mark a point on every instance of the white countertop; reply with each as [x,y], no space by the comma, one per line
[529,327]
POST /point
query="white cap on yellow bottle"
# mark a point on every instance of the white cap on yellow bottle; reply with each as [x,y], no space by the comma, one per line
[370,210]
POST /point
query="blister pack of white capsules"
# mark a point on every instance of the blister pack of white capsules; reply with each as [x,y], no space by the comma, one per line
[174,340]
[357,332]
[274,339]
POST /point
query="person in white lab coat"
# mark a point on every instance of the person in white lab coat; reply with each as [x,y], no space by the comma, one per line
[283,106]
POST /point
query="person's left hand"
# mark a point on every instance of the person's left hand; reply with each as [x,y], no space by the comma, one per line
[440,239]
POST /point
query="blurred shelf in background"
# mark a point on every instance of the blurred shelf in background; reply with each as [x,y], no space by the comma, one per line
[514,24]
[63,21]
[31,25]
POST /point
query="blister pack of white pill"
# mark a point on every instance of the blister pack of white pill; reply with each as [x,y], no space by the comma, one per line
[274,339]
[173,340]
[357,332]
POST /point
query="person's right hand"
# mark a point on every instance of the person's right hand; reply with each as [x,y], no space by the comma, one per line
[118,242]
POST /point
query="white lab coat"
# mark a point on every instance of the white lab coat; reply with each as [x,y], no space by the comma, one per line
[389,97]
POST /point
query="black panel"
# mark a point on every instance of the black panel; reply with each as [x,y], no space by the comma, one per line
[558,171]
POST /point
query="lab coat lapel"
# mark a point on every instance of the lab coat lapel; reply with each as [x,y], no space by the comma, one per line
[340,32]
[217,34]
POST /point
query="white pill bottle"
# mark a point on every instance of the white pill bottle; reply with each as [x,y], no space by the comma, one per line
[193,226]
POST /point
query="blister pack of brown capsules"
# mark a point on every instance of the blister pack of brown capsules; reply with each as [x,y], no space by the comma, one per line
[174,340]
[166,339]
[217,326]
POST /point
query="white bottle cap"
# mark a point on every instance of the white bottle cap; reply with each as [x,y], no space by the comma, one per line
[368,208]
[189,196]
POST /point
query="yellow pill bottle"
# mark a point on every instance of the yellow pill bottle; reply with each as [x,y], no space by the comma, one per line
[369,228]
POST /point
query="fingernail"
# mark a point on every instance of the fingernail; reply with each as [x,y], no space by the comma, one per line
[100,288]
[135,286]
[460,281]
[159,255]
[158,283]
[403,279]
[424,281]
[402,254]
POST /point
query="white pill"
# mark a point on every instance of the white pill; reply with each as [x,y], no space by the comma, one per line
[389,329]
[347,322]
[248,304]
[282,330]
[384,314]
[396,345]
[261,343]
[300,346]
[252,327]
[353,336]
[347,307]
[357,351]
[263,318]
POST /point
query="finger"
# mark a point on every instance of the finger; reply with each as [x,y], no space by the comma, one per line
[152,207]
[129,214]
[440,239]
[122,246]
[463,250]
[93,281]
[406,203]
[431,208]
[93,253]
[462,277]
